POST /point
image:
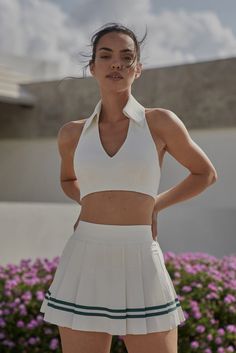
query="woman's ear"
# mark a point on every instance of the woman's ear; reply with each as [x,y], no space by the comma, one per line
[138,70]
[91,67]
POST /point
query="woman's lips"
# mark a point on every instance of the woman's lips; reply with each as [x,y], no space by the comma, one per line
[115,75]
[115,78]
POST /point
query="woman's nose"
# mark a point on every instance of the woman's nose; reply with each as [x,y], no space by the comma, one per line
[116,65]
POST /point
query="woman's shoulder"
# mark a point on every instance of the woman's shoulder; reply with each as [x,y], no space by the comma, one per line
[164,119]
[166,125]
[70,132]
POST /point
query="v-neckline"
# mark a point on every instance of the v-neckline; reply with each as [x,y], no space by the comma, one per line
[121,147]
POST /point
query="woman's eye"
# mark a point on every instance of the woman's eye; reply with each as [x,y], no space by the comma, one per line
[106,56]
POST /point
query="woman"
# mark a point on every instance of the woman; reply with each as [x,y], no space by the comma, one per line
[112,279]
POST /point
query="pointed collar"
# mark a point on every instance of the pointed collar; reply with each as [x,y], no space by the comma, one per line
[133,109]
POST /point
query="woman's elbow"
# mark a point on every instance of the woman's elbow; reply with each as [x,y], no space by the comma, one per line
[212,176]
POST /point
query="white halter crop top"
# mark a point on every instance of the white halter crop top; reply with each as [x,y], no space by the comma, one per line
[135,167]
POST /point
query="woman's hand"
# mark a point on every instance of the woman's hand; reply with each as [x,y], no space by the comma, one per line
[154,225]
[76,223]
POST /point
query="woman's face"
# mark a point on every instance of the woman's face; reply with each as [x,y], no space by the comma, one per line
[114,52]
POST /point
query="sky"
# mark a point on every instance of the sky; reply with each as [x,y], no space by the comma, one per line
[179,31]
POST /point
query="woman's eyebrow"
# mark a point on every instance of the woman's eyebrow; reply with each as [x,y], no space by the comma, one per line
[123,50]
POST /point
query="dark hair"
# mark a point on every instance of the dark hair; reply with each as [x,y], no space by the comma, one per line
[113,27]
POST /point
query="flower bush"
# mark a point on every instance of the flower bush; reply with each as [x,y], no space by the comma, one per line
[206,287]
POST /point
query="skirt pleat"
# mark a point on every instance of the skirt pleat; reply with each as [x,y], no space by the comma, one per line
[112,279]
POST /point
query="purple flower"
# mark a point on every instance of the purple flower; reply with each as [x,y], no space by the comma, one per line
[23,312]
[10,284]
[220,350]
[221,331]
[40,295]
[200,328]
[2,322]
[218,340]
[27,296]
[229,298]
[6,312]
[212,296]
[48,331]
[39,318]
[7,293]
[194,344]
[186,315]
[32,324]
[186,289]
[53,344]
[197,315]
[194,303]
[232,309]
[209,337]
[8,343]
[32,341]
[20,323]
[212,286]
[22,307]
[231,328]
[207,350]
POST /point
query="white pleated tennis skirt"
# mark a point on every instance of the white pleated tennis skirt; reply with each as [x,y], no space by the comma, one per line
[112,278]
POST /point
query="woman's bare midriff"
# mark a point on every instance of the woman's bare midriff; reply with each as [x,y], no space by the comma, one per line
[117,207]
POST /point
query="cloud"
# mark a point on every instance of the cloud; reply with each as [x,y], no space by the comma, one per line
[44,30]
[181,36]
[107,11]
[40,30]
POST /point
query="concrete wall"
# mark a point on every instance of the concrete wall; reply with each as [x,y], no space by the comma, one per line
[201,94]
[37,218]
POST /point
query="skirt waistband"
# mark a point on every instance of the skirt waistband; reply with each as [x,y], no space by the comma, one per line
[114,233]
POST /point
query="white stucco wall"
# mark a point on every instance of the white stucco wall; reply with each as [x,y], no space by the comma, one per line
[36,218]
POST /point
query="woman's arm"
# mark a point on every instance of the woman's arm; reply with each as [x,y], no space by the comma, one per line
[67,139]
[180,145]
